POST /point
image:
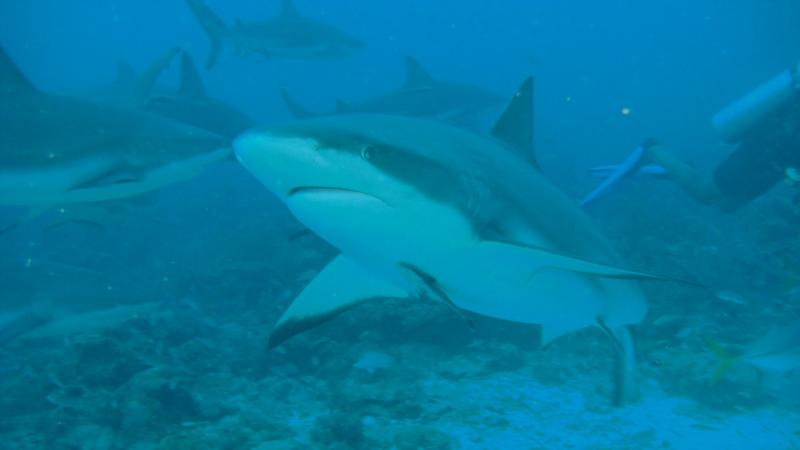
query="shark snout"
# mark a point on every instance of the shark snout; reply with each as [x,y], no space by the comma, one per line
[280,162]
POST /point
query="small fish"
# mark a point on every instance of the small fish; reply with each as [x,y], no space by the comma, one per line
[778,351]
[704,427]
[91,321]
[730,297]
[374,361]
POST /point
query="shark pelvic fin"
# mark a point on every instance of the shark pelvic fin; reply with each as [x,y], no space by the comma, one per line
[515,126]
[116,175]
[11,78]
[340,286]
[431,288]
[191,84]
[416,75]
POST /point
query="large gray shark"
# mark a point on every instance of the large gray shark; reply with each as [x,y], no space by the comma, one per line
[420,209]
[420,96]
[192,105]
[56,149]
[287,35]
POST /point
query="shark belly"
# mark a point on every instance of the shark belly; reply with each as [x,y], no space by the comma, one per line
[482,277]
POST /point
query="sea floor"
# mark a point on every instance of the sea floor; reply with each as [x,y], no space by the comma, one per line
[196,379]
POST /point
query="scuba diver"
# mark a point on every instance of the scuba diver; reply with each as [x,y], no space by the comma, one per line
[766,126]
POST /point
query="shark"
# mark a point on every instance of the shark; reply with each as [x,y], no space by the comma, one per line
[421,210]
[57,149]
[421,95]
[132,88]
[191,104]
[287,35]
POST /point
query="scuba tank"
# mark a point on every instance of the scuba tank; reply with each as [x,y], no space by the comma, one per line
[733,122]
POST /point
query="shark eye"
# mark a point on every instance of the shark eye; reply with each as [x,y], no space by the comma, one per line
[368,152]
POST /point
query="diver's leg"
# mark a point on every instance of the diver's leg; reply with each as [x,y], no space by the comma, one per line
[746,174]
[687,177]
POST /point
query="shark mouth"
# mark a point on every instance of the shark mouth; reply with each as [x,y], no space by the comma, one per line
[324,190]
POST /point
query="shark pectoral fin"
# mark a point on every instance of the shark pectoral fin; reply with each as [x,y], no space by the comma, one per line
[117,175]
[29,215]
[340,286]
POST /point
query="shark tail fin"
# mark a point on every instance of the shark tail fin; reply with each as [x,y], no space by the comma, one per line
[214,27]
[515,126]
[297,110]
[191,83]
[725,359]
[11,78]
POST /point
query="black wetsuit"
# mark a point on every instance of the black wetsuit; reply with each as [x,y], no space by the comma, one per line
[761,159]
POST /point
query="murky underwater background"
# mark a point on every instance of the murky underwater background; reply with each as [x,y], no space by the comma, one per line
[158,307]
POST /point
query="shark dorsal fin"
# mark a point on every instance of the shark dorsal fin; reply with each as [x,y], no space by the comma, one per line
[191,83]
[11,78]
[288,10]
[515,126]
[147,79]
[416,75]
[297,110]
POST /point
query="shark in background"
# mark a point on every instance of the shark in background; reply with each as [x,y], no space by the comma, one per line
[421,95]
[58,149]
[191,105]
[423,210]
[132,89]
[287,35]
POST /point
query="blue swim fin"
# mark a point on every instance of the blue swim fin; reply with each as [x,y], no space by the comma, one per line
[633,164]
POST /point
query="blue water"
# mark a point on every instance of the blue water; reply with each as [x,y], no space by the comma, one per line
[222,258]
